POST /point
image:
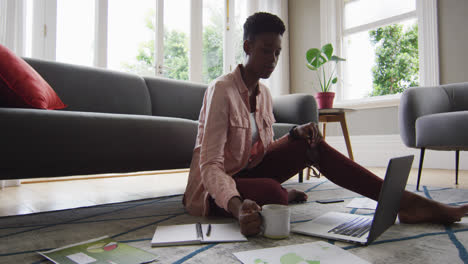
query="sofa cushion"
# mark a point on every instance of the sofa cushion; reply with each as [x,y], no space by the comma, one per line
[91,89]
[21,86]
[63,143]
[443,131]
[174,98]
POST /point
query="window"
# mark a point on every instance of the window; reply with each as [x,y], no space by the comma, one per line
[75,32]
[176,39]
[239,19]
[28,33]
[213,28]
[382,46]
[196,40]
[374,10]
[131,36]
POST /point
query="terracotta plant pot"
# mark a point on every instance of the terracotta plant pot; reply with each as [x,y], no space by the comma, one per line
[325,99]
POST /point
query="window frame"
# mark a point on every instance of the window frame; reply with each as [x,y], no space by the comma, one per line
[332,31]
[45,30]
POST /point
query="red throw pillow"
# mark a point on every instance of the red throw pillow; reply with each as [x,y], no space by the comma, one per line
[22,86]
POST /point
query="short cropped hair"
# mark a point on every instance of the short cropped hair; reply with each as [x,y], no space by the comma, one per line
[262,22]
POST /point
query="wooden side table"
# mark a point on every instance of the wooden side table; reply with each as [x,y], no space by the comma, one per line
[330,115]
[336,115]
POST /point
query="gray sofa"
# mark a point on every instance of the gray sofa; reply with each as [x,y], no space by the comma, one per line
[435,118]
[115,122]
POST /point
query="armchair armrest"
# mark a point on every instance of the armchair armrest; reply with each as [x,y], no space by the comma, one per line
[295,109]
[281,129]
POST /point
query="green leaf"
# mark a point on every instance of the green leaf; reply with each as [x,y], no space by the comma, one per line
[335,80]
[312,53]
[336,58]
[314,57]
[327,49]
[311,67]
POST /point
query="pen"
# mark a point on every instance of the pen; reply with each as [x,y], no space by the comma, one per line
[208,231]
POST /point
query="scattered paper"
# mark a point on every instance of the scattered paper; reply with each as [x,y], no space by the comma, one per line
[362,203]
[81,258]
[312,253]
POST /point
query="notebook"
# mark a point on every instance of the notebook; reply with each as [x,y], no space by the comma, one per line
[364,229]
[189,234]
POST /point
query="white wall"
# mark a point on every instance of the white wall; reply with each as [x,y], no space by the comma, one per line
[304,33]
[376,150]
[453,40]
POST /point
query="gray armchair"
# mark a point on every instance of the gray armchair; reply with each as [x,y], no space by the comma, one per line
[286,116]
[435,118]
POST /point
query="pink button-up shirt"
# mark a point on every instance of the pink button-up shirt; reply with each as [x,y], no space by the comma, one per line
[224,141]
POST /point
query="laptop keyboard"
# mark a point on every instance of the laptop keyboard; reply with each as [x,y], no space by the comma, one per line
[356,227]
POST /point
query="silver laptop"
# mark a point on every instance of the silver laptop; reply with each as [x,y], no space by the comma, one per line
[364,229]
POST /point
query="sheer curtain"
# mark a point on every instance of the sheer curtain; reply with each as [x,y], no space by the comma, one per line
[12,34]
[12,25]
[279,80]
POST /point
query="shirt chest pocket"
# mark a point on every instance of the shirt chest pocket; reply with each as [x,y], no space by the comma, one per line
[267,129]
[238,135]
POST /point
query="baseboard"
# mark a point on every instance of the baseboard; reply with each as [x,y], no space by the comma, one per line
[9,183]
[376,150]
[103,176]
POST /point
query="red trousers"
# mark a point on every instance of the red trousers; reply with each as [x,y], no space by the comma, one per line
[262,184]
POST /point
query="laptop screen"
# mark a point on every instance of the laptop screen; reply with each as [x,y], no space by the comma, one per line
[390,195]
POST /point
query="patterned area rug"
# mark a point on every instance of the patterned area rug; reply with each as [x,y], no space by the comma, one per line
[134,223]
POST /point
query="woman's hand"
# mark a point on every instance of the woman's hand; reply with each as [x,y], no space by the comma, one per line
[247,213]
[250,220]
[309,132]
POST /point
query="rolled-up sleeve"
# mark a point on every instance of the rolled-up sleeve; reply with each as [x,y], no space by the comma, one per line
[217,182]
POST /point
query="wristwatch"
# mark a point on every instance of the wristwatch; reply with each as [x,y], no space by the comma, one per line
[292,134]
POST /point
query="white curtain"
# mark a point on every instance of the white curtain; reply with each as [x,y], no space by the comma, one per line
[12,33]
[12,25]
[279,80]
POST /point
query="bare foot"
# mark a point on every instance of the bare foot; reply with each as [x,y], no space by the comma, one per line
[417,209]
[295,196]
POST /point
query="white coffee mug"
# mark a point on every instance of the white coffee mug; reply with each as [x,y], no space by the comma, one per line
[276,221]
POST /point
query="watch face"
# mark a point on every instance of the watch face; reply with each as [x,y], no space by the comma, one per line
[291,132]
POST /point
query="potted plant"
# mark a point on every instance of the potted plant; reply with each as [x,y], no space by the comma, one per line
[317,60]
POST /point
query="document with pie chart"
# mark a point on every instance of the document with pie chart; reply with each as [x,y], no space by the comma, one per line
[101,250]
